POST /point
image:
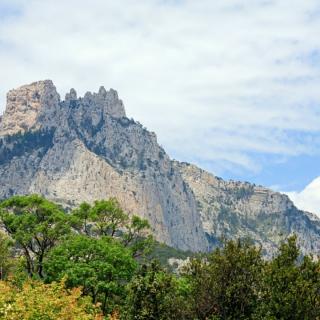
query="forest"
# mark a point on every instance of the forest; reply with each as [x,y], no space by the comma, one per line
[98,262]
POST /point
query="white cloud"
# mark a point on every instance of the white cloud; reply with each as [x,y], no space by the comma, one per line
[309,198]
[217,80]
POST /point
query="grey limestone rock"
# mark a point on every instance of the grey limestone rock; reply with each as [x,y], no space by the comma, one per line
[85,149]
[233,209]
[90,150]
[27,105]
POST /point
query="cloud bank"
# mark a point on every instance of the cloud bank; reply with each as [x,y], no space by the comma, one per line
[221,82]
[309,198]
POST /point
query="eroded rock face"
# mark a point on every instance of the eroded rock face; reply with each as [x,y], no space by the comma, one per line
[86,149]
[26,105]
[234,209]
[37,105]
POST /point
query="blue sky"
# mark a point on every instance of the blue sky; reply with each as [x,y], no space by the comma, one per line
[233,86]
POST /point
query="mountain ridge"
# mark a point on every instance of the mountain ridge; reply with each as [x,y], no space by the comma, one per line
[84,149]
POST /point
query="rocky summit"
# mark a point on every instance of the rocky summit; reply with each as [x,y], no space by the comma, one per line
[85,148]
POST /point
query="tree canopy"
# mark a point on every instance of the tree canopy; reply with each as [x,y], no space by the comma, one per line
[94,261]
[35,224]
[101,266]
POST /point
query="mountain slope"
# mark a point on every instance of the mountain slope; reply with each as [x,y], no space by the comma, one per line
[83,149]
[233,209]
[86,149]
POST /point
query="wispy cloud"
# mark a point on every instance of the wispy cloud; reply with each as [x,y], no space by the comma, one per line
[219,81]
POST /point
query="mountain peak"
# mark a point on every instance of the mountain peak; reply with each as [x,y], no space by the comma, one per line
[108,100]
[72,95]
[25,104]
[36,105]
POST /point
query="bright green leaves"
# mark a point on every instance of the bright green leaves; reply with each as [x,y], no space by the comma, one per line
[107,218]
[95,248]
[101,266]
[36,225]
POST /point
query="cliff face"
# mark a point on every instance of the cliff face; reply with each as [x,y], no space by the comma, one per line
[27,105]
[235,209]
[84,149]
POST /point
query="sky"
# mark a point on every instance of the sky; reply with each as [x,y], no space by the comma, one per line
[232,86]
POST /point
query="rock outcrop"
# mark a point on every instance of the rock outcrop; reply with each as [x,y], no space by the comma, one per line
[85,148]
[233,209]
[27,105]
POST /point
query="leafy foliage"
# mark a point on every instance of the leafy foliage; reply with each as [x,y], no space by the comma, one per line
[162,253]
[38,301]
[101,266]
[107,218]
[98,258]
[291,289]
[36,225]
[226,283]
[153,295]
[7,262]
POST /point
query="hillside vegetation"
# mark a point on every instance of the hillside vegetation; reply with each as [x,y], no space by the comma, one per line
[97,262]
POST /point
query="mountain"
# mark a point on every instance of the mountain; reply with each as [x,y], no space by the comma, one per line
[233,209]
[84,149]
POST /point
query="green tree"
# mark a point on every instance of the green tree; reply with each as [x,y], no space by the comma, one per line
[101,266]
[82,218]
[291,286]
[6,256]
[107,218]
[135,236]
[154,294]
[226,283]
[38,301]
[36,225]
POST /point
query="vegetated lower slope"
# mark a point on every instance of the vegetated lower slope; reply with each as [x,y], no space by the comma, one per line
[93,263]
[84,149]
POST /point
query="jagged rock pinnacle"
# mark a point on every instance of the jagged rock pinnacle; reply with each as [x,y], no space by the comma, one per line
[72,95]
[37,105]
[109,100]
[26,104]
[102,91]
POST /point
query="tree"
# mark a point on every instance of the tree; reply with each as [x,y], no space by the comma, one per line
[134,236]
[107,218]
[153,294]
[36,225]
[6,256]
[101,266]
[81,217]
[226,283]
[291,286]
[38,301]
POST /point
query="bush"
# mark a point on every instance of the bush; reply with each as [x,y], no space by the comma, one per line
[38,301]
